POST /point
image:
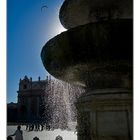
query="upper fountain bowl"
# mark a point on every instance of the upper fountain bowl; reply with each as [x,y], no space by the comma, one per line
[79,12]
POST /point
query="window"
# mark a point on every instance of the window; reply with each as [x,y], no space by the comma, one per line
[24,86]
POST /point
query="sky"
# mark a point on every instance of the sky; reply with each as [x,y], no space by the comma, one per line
[28,29]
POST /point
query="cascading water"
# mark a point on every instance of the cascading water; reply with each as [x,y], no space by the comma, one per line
[60,111]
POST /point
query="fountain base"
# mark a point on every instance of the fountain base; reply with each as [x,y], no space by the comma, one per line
[105,115]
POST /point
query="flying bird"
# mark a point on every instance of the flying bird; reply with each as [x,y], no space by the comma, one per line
[43,7]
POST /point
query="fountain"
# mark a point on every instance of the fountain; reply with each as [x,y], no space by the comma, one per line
[96,53]
[60,111]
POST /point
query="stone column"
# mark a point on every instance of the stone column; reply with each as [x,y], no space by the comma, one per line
[28,108]
[37,106]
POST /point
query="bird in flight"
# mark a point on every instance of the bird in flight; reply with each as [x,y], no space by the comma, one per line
[44,7]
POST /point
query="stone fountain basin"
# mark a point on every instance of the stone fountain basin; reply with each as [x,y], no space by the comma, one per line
[96,53]
[79,12]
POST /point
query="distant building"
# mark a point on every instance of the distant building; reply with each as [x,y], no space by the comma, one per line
[30,98]
[30,105]
[12,112]
[46,100]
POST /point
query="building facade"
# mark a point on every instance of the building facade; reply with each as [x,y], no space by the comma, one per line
[30,99]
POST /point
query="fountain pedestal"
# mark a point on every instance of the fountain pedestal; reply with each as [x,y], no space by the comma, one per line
[105,115]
